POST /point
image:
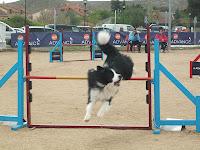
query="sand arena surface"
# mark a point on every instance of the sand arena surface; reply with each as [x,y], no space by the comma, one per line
[64,102]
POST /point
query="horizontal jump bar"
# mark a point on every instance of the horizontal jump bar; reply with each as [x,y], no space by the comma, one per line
[75,78]
[92,126]
[56,77]
[197,58]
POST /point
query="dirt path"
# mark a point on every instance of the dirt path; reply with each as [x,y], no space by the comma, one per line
[64,102]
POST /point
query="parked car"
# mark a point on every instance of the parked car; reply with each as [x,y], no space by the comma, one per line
[39,29]
[156,28]
[63,27]
[141,29]
[85,28]
[119,27]
[9,31]
[19,30]
[97,29]
[179,29]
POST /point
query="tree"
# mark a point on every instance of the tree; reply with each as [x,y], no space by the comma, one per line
[182,17]
[18,22]
[44,17]
[177,15]
[73,19]
[116,5]
[98,15]
[133,15]
[194,8]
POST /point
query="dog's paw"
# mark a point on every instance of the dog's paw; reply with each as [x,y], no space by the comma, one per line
[87,118]
[105,108]
[100,114]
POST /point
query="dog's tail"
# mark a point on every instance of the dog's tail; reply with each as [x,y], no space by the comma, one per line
[103,39]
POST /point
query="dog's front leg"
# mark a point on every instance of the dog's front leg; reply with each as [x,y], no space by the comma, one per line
[104,108]
[88,111]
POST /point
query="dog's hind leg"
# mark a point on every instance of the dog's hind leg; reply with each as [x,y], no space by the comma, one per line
[104,107]
[91,101]
[88,111]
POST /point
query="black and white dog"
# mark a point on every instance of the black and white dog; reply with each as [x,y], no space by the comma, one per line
[103,83]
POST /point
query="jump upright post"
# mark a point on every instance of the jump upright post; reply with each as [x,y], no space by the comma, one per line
[18,67]
[159,67]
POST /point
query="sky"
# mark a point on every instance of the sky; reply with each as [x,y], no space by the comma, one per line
[9,1]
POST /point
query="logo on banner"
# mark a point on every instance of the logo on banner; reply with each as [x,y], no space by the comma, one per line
[86,36]
[195,68]
[117,36]
[20,37]
[175,36]
[54,37]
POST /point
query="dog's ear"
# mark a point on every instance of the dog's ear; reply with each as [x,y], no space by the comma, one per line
[99,68]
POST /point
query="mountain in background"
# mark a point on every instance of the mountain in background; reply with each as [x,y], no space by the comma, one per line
[38,5]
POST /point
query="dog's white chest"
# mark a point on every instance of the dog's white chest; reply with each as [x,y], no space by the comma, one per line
[104,94]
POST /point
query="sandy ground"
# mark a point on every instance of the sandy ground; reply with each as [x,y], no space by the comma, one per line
[64,102]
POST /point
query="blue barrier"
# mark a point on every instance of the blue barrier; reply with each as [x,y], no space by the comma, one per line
[96,52]
[194,99]
[38,39]
[20,105]
[57,52]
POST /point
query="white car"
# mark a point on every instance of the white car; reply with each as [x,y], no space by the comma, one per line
[179,29]
[97,29]
[156,28]
[19,30]
[119,27]
[39,29]
[63,27]
[9,30]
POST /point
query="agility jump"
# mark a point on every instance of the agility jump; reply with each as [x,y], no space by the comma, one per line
[195,66]
[56,54]
[18,67]
[29,79]
[159,67]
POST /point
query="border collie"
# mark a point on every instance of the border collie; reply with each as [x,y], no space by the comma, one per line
[103,85]
[104,82]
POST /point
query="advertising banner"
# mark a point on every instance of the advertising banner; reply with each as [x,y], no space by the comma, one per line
[44,39]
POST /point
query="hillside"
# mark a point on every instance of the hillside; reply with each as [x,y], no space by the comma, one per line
[37,5]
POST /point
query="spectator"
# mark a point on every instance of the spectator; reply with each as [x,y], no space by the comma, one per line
[162,38]
[134,40]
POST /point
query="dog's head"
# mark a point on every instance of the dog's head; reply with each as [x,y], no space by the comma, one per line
[107,75]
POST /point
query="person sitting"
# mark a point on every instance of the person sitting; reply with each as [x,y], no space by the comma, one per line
[134,40]
[162,38]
